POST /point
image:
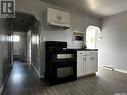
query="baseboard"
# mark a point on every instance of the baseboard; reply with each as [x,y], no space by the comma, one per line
[119,70]
[40,76]
[1,89]
[3,85]
[122,71]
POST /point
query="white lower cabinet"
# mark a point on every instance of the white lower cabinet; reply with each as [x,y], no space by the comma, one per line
[87,62]
[80,65]
[91,64]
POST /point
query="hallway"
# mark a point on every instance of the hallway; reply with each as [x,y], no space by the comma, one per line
[22,80]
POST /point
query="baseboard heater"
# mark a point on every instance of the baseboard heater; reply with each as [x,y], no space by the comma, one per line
[109,67]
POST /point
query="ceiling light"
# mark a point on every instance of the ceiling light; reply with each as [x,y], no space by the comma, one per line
[92,4]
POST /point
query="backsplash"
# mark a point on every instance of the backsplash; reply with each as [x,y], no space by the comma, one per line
[75,45]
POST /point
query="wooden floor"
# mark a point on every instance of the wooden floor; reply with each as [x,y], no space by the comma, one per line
[24,81]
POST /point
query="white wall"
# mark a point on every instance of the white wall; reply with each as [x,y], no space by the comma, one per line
[5,60]
[113,46]
[29,46]
[79,21]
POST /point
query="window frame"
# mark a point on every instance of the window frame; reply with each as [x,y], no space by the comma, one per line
[16,38]
[97,35]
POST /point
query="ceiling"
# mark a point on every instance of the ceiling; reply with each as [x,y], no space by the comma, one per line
[98,8]
[22,22]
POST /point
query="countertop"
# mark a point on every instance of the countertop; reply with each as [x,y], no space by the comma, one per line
[86,49]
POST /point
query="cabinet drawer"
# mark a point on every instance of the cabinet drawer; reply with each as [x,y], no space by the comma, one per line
[87,53]
[80,52]
[94,52]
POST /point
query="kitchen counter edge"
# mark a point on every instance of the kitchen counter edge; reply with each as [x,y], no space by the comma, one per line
[86,49]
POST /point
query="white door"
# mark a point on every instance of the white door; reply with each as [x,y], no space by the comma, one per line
[84,64]
[80,68]
[91,64]
[68,18]
[94,62]
[53,15]
[63,17]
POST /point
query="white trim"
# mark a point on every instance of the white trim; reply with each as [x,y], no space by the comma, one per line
[122,71]
[118,70]
[36,70]
[100,66]
[1,89]
[40,76]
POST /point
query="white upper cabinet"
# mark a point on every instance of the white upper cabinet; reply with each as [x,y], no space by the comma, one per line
[53,15]
[64,17]
[58,18]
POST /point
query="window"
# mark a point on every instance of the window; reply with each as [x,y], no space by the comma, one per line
[92,34]
[16,38]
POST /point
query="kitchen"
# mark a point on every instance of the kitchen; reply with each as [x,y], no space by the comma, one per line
[91,41]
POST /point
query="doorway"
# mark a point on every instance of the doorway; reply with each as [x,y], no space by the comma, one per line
[21,36]
[92,35]
[20,46]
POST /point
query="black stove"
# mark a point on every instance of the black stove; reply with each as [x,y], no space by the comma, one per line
[61,63]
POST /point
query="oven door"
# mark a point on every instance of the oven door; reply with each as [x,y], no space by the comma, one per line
[65,72]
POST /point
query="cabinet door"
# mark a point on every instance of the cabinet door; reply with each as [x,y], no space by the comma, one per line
[53,15]
[68,18]
[91,64]
[94,62]
[80,68]
[63,17]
